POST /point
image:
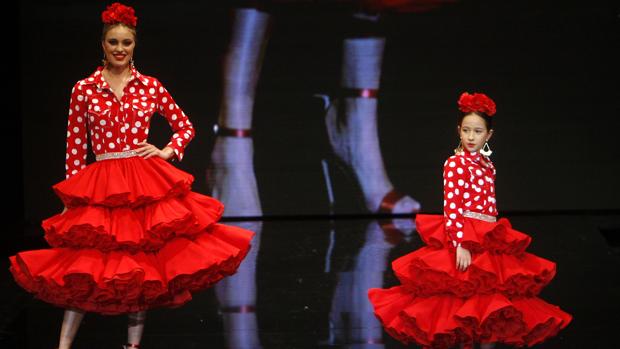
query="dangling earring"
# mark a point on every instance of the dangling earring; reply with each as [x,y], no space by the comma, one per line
[104,61]
[486,150]
[131,62]
[459,148]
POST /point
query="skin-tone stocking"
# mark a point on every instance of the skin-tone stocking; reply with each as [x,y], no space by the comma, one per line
[70,325]
[135,327]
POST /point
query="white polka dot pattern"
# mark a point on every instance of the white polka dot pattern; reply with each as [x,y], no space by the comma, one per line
[115,125]
[473,178]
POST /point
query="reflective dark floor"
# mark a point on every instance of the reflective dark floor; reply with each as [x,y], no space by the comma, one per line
[304,286]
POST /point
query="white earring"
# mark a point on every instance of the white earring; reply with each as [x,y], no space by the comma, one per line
[486,150]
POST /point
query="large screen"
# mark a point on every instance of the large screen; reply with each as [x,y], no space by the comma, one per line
[330,108]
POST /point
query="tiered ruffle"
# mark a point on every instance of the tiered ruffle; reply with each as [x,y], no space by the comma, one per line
[494,300]
[135,237]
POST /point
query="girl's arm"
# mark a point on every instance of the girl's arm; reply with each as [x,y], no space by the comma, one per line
[455,182]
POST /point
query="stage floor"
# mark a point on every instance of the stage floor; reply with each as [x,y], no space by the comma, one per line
[304,285]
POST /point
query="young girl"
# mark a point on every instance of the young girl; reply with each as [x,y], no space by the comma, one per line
[474,282]
[133,236]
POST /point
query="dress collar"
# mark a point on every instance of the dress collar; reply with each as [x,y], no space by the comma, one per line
[475,157]
[97,79]
[472,155]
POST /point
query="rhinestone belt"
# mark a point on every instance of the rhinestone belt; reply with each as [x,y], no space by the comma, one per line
[117,155]
[480,216]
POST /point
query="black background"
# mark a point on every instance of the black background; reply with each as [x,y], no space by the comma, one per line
[552,68]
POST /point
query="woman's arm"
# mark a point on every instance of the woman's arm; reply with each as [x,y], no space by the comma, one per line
[183,129]
[77,141]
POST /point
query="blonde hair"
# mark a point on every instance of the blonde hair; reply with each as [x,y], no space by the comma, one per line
[108,27]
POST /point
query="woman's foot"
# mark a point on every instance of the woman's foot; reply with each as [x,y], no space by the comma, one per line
[352,122]
[355,141]
[231,176]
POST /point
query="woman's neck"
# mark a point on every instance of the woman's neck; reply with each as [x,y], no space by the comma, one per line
[118,71]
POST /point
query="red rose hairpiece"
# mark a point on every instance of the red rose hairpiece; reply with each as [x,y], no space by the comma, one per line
[119,13]
[476,102]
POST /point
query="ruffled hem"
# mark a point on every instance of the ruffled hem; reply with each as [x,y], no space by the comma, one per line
[124,182]
[478,236]
[443,321]
[428,271]
[145,228]
[119,282]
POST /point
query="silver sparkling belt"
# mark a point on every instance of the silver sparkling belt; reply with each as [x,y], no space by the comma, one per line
[117,155]
[480,216]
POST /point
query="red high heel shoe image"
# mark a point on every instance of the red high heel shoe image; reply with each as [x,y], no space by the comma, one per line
[355,151]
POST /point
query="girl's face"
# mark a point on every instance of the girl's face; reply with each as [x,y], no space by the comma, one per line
[473,132]
[118,46]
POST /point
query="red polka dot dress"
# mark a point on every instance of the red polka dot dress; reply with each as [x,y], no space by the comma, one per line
[134,236]
[495,299]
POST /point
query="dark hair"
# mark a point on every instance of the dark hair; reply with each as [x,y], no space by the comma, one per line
[488,121]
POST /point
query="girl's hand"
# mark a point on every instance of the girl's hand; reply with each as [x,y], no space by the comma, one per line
[147,150]
[463,258]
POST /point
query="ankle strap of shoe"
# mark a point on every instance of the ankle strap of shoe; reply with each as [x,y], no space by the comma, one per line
[359,92]
[389,201]
[129,346]
[221,131]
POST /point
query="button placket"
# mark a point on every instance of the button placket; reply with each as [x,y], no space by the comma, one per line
[126,108]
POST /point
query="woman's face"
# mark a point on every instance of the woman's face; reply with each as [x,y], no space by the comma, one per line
[118,46]
[473,132]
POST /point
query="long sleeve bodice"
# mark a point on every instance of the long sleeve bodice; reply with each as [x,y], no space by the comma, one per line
[115,125]
[468,188]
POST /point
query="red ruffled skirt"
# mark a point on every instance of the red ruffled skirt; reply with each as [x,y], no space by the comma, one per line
[134,237]
[494,300]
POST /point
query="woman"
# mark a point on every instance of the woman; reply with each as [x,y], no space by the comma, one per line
[132,235]
[474,282]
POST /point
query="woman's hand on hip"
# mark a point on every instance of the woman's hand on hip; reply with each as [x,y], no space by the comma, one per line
[148,150]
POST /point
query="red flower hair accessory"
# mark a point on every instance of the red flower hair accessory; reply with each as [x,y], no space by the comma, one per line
[476,102]
[119,13]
